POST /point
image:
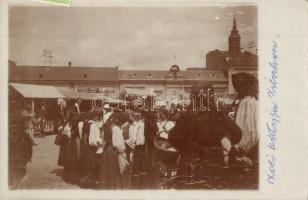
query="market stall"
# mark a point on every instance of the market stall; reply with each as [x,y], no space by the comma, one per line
[20,142]
[39,96]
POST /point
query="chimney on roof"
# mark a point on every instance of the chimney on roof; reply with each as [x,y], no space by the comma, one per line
[69,64]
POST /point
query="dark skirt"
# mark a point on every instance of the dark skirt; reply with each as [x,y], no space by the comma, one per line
[72,164]
[62,151]
[87,157]
[140,177]
[109,170]
[88,166]
[140,164]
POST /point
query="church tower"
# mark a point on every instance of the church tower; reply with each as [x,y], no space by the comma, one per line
[234,39]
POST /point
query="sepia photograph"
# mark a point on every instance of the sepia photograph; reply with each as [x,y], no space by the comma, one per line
[133,97]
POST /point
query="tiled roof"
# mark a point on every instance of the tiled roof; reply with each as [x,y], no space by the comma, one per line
[44,73]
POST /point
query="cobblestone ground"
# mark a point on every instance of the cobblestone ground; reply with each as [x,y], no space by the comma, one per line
[43,171]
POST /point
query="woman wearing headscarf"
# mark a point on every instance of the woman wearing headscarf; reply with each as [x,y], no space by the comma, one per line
[71,165]
[246,114]
[113,163]
[91,148]
[136,144]
[64,135]
[202,127]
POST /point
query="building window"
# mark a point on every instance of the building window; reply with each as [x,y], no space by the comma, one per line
[149,75]
[198,75]
[135,75]
[212,75]
[85,75]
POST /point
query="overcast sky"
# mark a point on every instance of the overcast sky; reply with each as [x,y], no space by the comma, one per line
[128,37]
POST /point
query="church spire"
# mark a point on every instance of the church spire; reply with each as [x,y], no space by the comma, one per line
[234,28]
[234,39]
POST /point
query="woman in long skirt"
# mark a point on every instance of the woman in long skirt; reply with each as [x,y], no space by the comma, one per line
[113,163]
[87,156]
[71,165]
[62,151]
[140,177]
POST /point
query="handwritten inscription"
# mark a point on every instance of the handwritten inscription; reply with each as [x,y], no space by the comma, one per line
[272,89]
[272,126]
[271,174]
[274,116]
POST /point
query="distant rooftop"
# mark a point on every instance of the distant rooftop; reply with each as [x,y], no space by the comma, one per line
[65,73]
[62,73]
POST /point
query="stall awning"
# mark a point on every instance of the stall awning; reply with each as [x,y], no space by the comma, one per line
[36,91]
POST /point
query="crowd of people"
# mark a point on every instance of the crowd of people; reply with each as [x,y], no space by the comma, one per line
[108,149]
[122,148]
